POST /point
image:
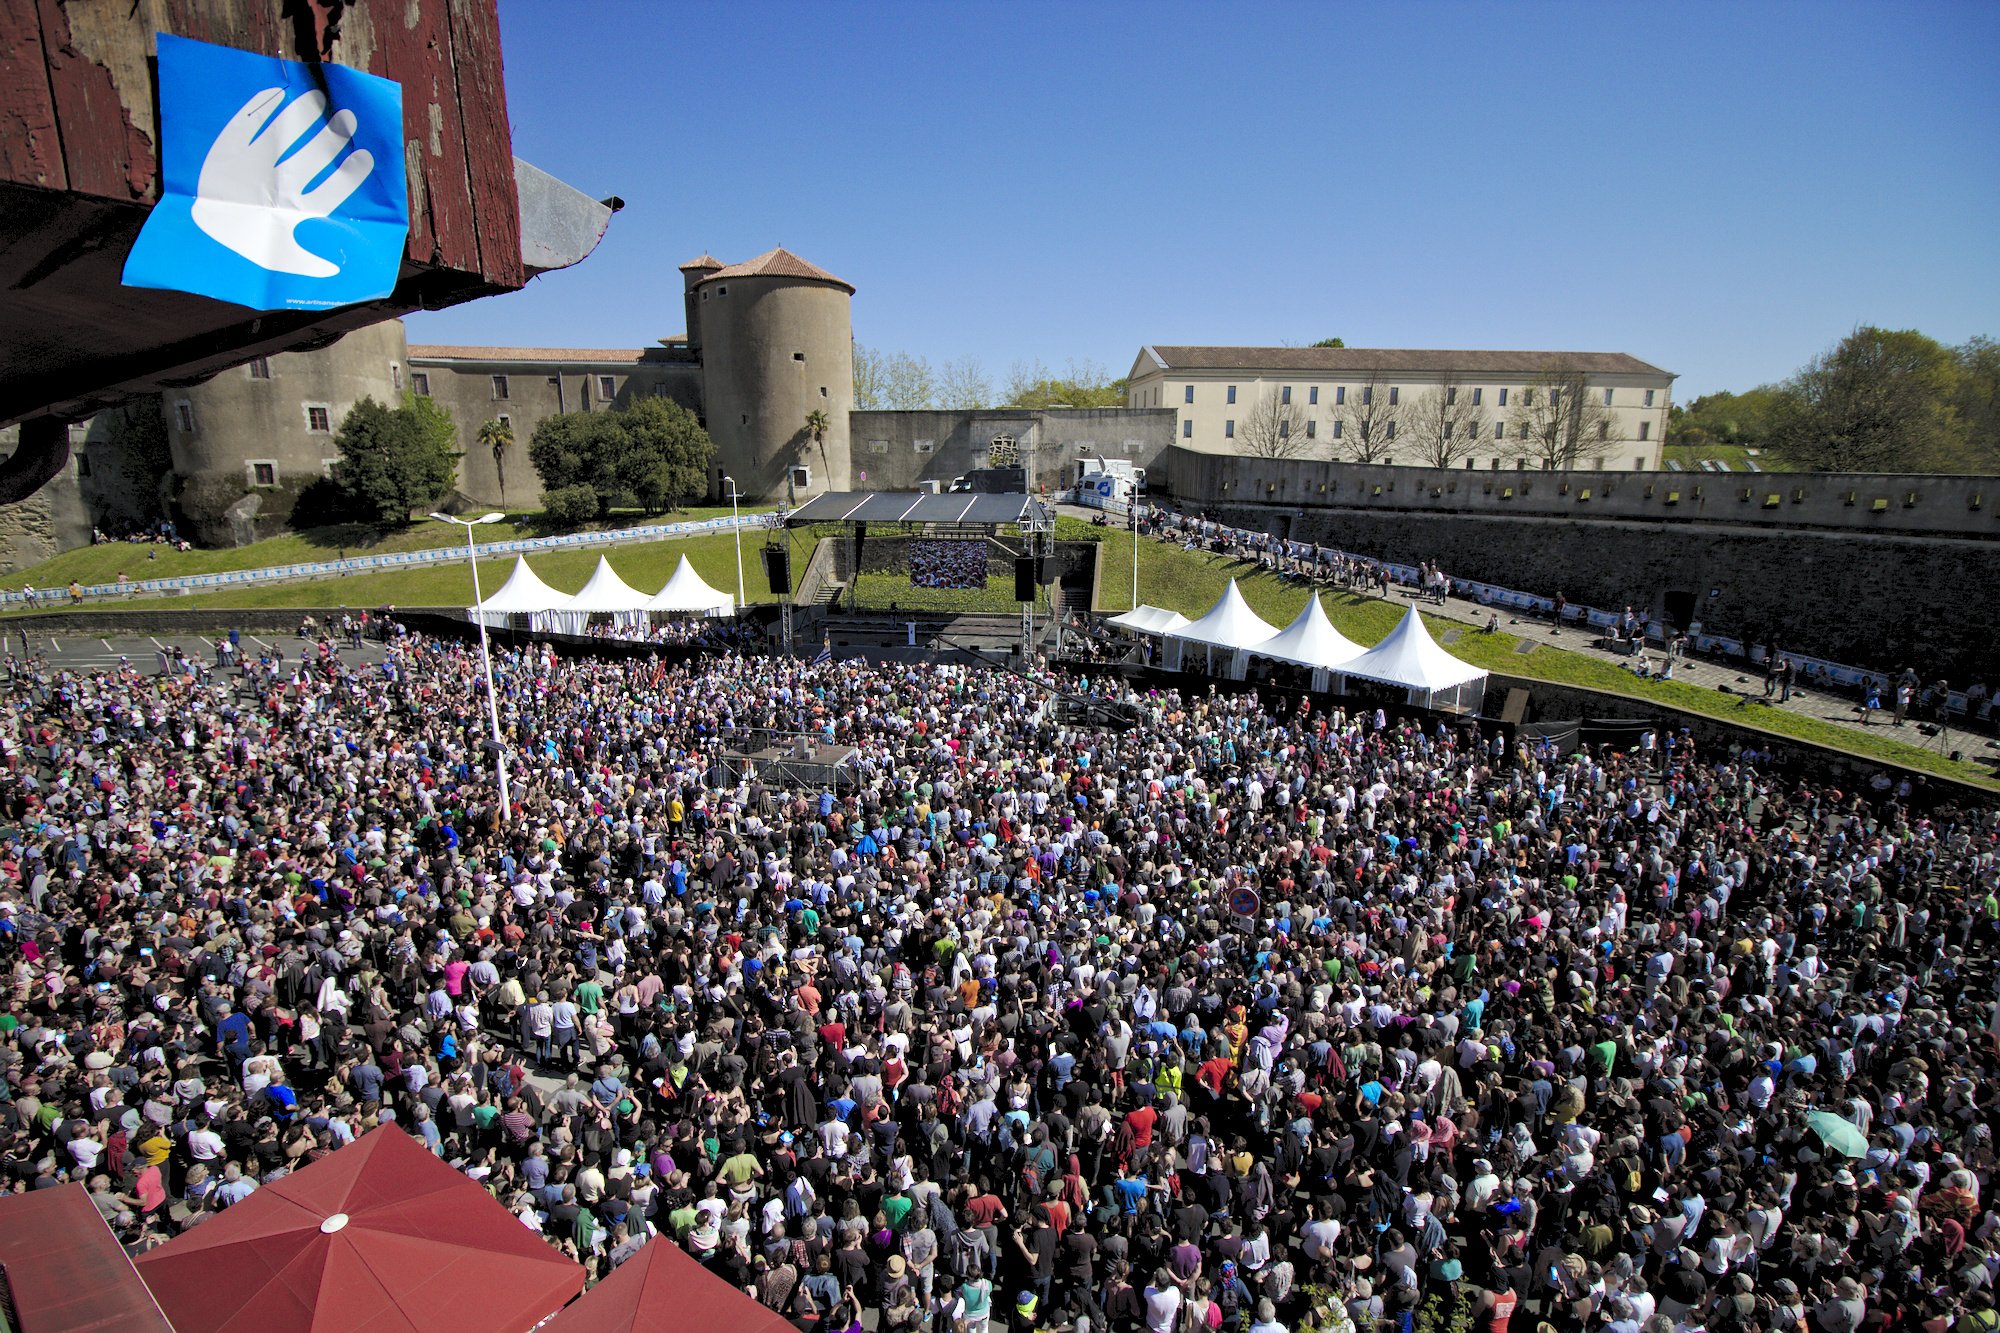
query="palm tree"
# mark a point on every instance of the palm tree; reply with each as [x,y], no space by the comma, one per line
[497,435]
[818,423]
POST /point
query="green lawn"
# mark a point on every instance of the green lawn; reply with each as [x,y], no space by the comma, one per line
[1190,581]
[103,564]
[1738,456]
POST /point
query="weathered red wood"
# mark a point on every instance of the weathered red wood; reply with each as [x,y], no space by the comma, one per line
[30,147]
[103,152]
[489,139]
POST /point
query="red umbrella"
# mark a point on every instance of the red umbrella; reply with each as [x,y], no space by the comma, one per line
[379,1237]
[661,1289]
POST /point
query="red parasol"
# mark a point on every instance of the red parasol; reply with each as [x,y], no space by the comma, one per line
[378,1237]
[661,1289]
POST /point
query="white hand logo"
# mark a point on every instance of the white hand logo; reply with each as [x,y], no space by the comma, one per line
[251,202]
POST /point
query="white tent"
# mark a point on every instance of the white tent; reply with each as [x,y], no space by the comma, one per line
[605,595]
[1222,635]
[1310,641]
[523,594]
[1154,620]
[687,593]
[1410,659]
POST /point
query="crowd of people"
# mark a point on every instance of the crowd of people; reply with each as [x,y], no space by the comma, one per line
[1234,1019]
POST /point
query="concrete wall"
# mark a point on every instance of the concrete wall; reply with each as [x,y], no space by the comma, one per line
[538,389]
[224,427]
[1904,585]
[893,451]
[774,349]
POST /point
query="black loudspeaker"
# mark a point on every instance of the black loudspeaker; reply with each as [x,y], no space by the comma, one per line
[778,569]
[1024,579]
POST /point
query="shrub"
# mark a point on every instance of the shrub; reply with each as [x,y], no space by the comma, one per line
[570,506]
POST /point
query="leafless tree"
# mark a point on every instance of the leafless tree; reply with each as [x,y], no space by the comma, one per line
[1445,425]
[1274,428]
[962,385]
[1559,416]
[1367,422]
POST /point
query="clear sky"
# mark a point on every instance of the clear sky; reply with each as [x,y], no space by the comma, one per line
[1722,190]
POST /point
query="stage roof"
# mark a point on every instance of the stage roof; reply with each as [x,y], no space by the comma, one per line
[915,507]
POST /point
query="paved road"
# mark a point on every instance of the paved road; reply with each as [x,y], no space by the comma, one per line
[83,652]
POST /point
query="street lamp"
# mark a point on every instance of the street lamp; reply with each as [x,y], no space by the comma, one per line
[736,534]
[485,654]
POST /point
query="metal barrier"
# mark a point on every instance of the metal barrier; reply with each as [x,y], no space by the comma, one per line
[394,560]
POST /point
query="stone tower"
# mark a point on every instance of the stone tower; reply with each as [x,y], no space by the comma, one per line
[776,343]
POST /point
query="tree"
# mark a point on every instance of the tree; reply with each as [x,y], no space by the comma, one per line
[670,453]
[395,460]
[653,454]
[1274,428]
[498,436]
[1329,342]
[892,381]
[1031,385]
[1725,418]
[962,386]
[1444,423]
[818,423]
[1978,400]
[1880,401]
[1366,422]
[1559,417]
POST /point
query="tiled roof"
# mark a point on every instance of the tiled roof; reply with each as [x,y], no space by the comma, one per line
[707,261]
[778,264]
[1361,360]
[533,355]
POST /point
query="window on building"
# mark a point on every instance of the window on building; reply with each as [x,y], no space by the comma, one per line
[319,418]
[499,386]
[746,418]
[1232,393]
[1470,462]
[83,465]
[1503,398]
[1520,465]
[1312,396]
[1312,428]
[1599,464]
[1499,430]
[1337,428]
[1285,395]
[1645,430]
[1477,394]
[1496,464]
[264,473]
[506,421]
[1340,395]
[420,382]
[822,391]
[260,368]
[1524,430]
[1638,462]
[1229,429]
[1187,393]
[1187,429]
[607,387]
[1367,394]
[924,446]
[1449,426]
[1451,395]
[1284,430]
[798,356]
[1649,397]
[1395,395]
[396,376]
[184,417]
[1392,430]
[1527,397]
[1603,431]
[1607,397]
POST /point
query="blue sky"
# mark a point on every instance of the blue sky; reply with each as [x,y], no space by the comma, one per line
[1723,190]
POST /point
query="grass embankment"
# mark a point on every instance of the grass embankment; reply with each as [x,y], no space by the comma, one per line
[1739,457]
[103,564]
[1190,581]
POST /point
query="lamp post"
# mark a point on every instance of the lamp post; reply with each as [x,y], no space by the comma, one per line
[485,653]
[736,534]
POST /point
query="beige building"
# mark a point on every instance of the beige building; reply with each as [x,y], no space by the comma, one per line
[1488,410]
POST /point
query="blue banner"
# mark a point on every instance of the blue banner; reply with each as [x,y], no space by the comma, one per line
[283,184]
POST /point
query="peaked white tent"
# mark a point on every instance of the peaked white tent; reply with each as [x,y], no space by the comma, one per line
[1221,636]
[1310,641]
[1410,659]
[687,593]
[1154,620]
[605,595]
[523,594]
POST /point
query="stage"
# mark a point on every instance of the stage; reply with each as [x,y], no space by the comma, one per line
[799,763]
